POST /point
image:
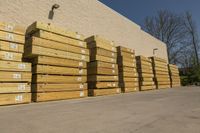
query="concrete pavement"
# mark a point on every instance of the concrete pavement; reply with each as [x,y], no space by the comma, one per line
[160,111]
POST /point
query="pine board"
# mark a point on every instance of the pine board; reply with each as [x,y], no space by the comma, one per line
[128,74]
[6,36]
[15,66]
[102,52]
[121,59]
[102,65]
[11,47]
[58,79]
[131,89]
[123,63]
[98,78]
[126,55]
[129,79]
[53,96]
[58,87]
[103,59]
[102,92]
[54,29]
[102,71]
[13,28]
[10,56]
[18,98]
[37,51]
[58,62]
[15,76]
[45,69]
[144,88]
[95,85]
[125,49]
[128,84]
[14,87]
[127,69]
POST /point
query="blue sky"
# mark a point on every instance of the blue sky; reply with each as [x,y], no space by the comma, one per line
[137,10]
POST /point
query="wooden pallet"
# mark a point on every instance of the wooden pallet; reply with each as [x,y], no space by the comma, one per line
[42,87]
[63,95]
[125,49]
[102,65]
[15,76]
[11,37]
[99,78]
[14,87]
[39,78]
[46,69]
[10,56]
[35,51]
[13,28]
[58,38]
[56,45]
[45,60]
[103,92]
[15,66]
[15,98]
[98,85]
[11,47]
[102,71]
[102,52]
[103,59]
[54,29]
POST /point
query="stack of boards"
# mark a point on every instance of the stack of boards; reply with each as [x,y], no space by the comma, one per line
[102,68]
[145,73]
[59,62]
[174,75]
[15,75]
[161,72]
[128,77]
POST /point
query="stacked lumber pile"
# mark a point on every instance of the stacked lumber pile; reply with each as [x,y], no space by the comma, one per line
[128,76]
[161,72]
[102,68]
[145,73]
[59,59]
[15,75]
[174,75]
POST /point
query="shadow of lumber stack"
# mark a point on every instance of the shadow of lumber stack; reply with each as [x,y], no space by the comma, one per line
[174,75]
[15,75]
[58,59]
[161,73]
[128,76]
[145,73]
[102,68]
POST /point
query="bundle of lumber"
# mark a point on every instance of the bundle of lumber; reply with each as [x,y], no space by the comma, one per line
[174,75]
[15,75]
[145,73]
[59,62]
[128,76]
[102,68]
[161,72]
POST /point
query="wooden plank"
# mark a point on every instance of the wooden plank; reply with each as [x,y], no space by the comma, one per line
[157,59]
[146,83]
[102,71]
[45,60]
[15,66]
[128,74]
[126,55]
[123,63]
[129,79]
[127,69]
[125,49]
[103,58]
[130,89]
[56,45]
[99,78]
[101,42]
[15,76]
[162,76]
[145,71]
[58,87]
[37,51]
[45,69]
[53,96]
[161,73]
[146,75]
[145,79]
[12,28]
[58,79]
[102,52]
[128,84]
[102,92]
[162,79]
[14,87]
[11,47]
[164,86]
[18,98]
[121,59]
[102,65]
[10,56]
[54,29]
[95,85]
[143,59]
[144,88]
[11,37]
[59,38]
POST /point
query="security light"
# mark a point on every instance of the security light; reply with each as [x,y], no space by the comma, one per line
[55,6]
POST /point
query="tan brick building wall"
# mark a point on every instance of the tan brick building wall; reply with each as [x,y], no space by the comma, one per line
[87,17]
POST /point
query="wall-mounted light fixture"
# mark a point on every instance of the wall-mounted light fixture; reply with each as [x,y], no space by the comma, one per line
[51,12]
[154,51]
